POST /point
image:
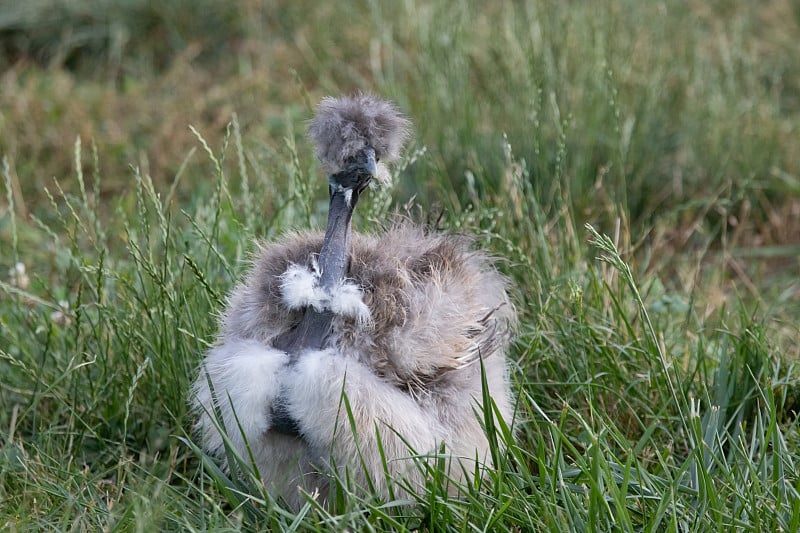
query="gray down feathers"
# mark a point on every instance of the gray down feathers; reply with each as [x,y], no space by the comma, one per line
[414,366]
[345,125]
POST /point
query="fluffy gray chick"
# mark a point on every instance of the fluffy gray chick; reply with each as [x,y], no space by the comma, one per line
[396,323]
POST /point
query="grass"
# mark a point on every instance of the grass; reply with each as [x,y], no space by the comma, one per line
[633,164]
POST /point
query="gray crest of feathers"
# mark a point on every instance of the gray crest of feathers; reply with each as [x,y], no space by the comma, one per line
[343,126]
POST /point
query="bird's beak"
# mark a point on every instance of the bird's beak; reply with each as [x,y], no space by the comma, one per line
[334,257]
[333,262]
[346,186]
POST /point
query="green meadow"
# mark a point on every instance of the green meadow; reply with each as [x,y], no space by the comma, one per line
[635,166]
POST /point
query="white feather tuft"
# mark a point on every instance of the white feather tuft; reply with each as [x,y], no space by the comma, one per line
[244,378]
[383,176]
[347,300]
[299,287]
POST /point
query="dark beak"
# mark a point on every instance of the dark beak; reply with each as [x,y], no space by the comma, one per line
[334,258]
[334,261]
[370,162]
[345,188]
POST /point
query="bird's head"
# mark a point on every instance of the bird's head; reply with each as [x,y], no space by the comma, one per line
[355,136]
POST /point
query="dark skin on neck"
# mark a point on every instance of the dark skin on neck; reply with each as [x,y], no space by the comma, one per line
[313,330]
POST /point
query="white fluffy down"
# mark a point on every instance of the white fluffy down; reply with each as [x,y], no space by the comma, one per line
[245,377]
[349,413]
[300,288]
[314,393]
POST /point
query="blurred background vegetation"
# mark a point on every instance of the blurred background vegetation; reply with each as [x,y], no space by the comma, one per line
[649,105]
[681,118]
[673,126]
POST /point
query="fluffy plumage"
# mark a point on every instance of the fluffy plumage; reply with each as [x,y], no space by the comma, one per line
[343,126]
[436,306]
[414,321]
